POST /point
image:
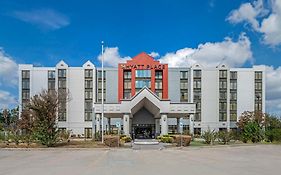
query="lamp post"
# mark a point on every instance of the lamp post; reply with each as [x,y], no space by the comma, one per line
[102,97]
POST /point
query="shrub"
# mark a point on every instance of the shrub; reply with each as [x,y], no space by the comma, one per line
[183,140]
[252,132]
[165,139]
[111,141]
[225,136]
[273,134]
[126,139]
[209,136]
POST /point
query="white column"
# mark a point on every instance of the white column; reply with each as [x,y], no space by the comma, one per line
[126,124]
[191,124]
[98,122]
[157,126]
[164,124]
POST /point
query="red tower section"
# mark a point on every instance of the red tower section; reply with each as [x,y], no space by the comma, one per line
[143,62]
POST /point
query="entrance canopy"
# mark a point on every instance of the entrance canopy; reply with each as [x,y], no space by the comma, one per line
[145,98]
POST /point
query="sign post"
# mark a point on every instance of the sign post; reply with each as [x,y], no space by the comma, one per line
[118,131]
[181,130]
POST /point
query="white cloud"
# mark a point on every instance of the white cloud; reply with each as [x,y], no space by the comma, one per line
[247,12]
[255,14]
[6,99]
[44,18]
[273,89]
[154,54]
[112,57]
[8,70]
[233,53]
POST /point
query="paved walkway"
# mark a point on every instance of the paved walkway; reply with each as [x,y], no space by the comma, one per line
[250,160]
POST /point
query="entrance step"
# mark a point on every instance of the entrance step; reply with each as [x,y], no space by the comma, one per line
[146,142]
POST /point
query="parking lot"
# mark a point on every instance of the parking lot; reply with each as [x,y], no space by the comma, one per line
[255,159]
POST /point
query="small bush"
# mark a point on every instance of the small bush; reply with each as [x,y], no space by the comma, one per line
[209,136]
[111,141]
[273,134]
[126,139]
[185,139]
[165,139]
[225,136]
[252,132]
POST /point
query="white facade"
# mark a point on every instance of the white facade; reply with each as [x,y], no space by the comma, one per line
[166,113]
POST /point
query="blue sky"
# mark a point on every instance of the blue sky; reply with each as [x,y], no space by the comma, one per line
[44,32]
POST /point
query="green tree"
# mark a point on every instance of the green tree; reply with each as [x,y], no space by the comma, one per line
[272,128]
[43,109]
[251,126]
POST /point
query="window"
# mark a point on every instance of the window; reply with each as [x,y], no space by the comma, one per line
[197,73]
[198,106]
[100,74]
[233,96]
[88,94]
[25,84]
[233,75]
[99,96]
[183,74]
[197,84]
[141,83]
[184,97]
[223,106]
[233,84]
[233,117]
[222,116]
[62,73]
[258,75]
[100,84]
[88,105]
[51,85]
[25,94]
[158,74]
[223,95]
[223,73]
[62,84]
[159,94]
[197,95]
[197,116]
[127,94]
[183,85]
[88,116]
[88,73]
[127,84]
[26,74]
[258,85]
[88,132]
[88,84]
[127,75]
[223,84]
[51,74]
[143,73]
[233,106]
[158,84]
[62,116]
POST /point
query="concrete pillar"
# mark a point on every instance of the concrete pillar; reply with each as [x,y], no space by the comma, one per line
[178,125]
[98,117]
[157,127]
[191,124]
[126,124]
[164,124]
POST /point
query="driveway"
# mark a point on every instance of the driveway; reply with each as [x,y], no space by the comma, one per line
[259,159]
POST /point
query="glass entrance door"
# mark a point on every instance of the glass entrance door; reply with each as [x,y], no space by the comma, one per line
[144,131]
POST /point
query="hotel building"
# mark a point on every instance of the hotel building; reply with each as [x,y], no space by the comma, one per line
[146,97]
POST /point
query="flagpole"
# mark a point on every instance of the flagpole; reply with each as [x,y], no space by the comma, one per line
[102,96]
